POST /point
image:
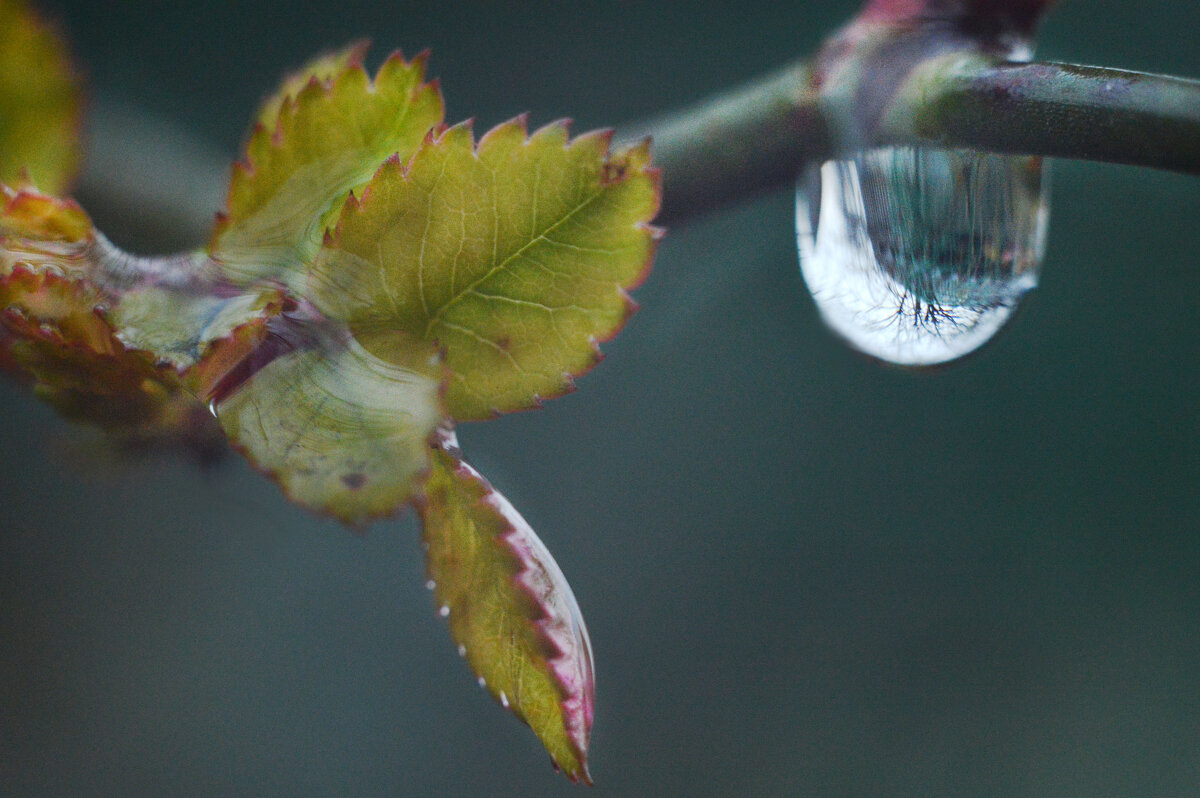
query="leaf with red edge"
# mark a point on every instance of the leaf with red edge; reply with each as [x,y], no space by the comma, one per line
[39,218]
[326,140]
[514,257]
[509,608]
[53,332]
[128,344]
[77,364]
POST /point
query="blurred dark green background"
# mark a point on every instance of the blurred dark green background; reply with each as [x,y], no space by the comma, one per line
[804,573]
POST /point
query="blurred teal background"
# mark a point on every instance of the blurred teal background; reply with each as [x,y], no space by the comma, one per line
[804,573]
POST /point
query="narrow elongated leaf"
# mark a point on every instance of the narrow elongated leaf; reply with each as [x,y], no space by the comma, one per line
[513,258]
[509,608]
[327,139]
[40,101]
[342,430]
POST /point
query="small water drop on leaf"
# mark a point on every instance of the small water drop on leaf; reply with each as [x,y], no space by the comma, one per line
[918,256]
[515,619]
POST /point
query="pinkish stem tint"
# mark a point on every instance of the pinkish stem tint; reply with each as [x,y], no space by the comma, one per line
[1023,15]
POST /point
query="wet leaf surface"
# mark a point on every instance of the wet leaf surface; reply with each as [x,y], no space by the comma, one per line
[509,608]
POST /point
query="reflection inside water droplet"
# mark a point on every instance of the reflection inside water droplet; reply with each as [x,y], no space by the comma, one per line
[917,255]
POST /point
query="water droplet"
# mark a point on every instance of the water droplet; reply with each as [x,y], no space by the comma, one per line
[430,584]
[503,700]
[918,255]
[462,650]
[444,611]
[481,681]
[212,407]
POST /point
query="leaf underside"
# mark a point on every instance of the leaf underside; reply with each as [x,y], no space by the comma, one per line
[181,327]
[509,608]
[343,431]
[513,257]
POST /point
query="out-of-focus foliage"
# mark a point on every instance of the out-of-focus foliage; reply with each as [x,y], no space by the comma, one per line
[40,100]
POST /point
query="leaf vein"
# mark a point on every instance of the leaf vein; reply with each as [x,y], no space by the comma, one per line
[498,267]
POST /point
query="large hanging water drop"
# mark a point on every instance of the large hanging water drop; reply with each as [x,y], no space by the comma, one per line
[918,255]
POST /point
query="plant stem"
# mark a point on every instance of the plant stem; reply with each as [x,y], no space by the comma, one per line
[735,145]
[760,136]
[1067,111]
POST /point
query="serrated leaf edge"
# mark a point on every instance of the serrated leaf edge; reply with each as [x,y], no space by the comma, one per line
[576,689]
[639,152]
[244,168]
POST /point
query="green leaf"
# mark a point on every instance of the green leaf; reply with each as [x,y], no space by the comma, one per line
[343,431]
[40,102]
[327,140]
[513,258]
[509,608]
[322,69]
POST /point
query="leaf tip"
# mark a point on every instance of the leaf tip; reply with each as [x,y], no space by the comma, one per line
[458,134]
[487,567]
[421,60]
[514,131]
[356,51]
[435,86]
[557,131]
